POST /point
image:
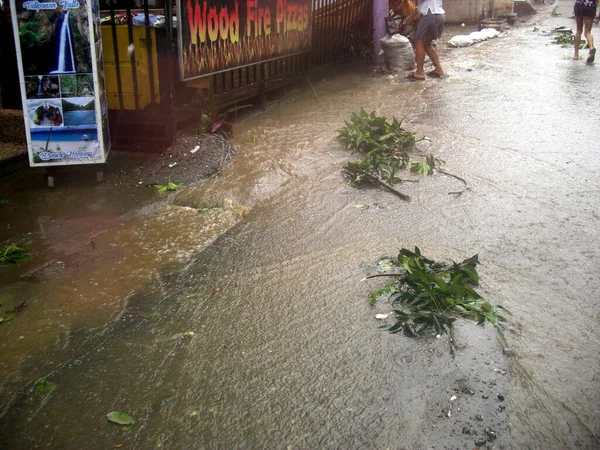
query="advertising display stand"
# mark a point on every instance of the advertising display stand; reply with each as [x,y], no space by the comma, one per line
[59,54]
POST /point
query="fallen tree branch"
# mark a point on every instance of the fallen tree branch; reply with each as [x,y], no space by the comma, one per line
[383,184]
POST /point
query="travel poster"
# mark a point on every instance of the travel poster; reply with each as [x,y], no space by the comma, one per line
[58,65]
[218,35]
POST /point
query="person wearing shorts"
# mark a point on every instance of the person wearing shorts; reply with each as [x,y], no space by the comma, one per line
[585,13]
[429,28]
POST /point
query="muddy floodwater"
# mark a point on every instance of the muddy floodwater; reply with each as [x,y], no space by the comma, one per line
[234,313]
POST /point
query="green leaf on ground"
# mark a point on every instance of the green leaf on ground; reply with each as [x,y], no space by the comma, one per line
[385,265]
[13,254]
[164,188]
[119,417]
[43,387]
[8,317]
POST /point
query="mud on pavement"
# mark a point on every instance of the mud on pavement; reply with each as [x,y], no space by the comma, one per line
[89,325]
[94,245]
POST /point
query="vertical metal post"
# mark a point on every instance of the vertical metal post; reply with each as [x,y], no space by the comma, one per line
[316,33]
[149,46]
[131,50]
[336,27]
[346,16]
[116,53]
[329,37]
[169,29]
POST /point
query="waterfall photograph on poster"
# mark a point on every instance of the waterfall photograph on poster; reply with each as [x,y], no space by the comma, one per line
[42,86]
[54,37]
[218,35]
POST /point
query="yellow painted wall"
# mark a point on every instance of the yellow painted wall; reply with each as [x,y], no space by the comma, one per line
[142,66]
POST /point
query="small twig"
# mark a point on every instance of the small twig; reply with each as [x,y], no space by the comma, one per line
[451,340]
[384,275]
[453,176]
[458,178]
[225,158]
[404,118]
[20,307]
[311,86]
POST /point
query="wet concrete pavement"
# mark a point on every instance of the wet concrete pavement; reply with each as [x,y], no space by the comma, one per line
[263,338]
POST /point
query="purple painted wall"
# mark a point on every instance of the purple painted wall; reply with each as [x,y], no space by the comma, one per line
[380,12]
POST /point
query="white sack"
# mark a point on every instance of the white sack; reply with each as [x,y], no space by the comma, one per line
[476,36]
[398,52]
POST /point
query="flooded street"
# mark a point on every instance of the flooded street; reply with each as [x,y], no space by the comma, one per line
[247,325]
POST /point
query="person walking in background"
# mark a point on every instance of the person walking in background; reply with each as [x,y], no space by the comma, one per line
[585,13]
[429,28]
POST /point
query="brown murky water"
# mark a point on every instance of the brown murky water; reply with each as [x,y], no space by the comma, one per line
[265,339]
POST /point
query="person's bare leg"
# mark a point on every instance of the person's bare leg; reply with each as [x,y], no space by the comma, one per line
[433,55]
[420,58]
[578,31]
[588,32]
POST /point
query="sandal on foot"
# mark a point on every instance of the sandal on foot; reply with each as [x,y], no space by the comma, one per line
[434,74]
[592,56]
[413,77]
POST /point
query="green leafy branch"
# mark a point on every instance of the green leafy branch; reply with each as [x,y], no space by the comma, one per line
[367,131]
[430,294]
[385,145]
